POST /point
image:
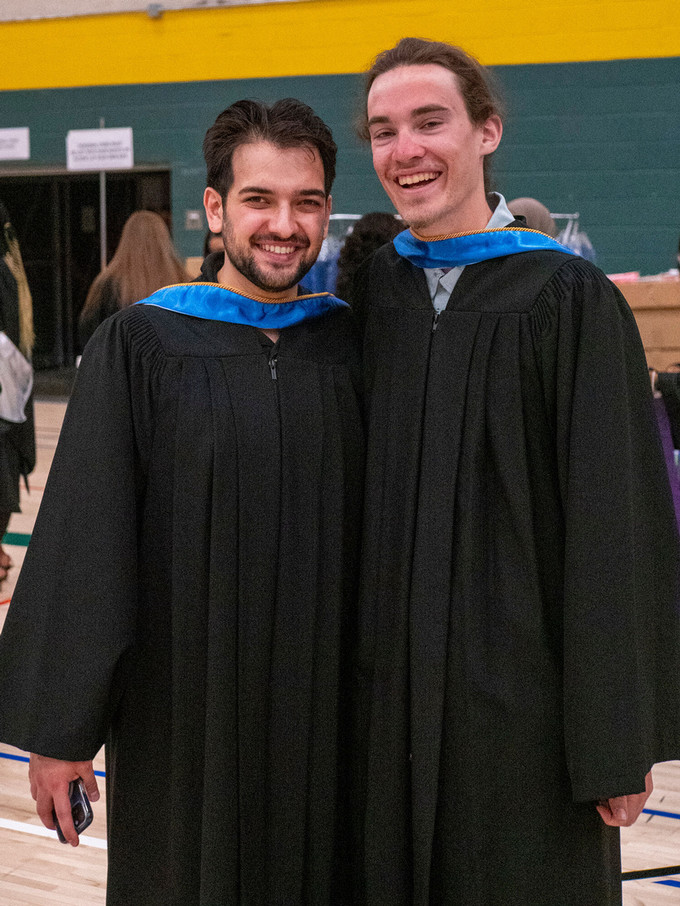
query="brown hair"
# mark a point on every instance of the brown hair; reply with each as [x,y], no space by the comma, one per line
[145,260]
[287,124]
[478,87]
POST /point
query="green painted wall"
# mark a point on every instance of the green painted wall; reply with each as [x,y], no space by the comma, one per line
[600,138]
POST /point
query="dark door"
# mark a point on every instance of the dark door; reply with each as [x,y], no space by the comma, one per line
[56,218]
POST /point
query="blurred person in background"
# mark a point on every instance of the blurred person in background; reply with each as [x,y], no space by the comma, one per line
[17,439]
[368,234]
[145,261]
[536,215]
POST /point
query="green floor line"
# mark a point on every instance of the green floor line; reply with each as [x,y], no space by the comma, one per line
[16,539]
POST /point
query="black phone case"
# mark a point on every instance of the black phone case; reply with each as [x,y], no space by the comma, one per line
[81,810]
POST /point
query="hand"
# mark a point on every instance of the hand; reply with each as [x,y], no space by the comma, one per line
[50,779]
[622,811]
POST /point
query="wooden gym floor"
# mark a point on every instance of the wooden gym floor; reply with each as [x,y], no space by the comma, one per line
[36,870]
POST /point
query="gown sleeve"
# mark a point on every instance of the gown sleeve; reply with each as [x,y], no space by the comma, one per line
[71,622]
[621,640]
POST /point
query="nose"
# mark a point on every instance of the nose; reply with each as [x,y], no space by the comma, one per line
[282,221]
[407,146]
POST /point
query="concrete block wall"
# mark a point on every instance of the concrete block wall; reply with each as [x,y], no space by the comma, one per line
[593,120]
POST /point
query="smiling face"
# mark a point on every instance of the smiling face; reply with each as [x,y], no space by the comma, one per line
[428,154]
[274,219]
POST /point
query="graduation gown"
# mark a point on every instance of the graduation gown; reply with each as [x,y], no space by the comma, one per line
[187,597]
[519,652]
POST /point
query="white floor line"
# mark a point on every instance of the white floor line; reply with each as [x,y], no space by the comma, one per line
[38,830]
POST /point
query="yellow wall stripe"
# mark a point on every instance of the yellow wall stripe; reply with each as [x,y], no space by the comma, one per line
[323,37]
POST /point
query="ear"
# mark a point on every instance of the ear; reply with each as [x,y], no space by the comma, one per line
[212,202]
[492,130]
[329,208]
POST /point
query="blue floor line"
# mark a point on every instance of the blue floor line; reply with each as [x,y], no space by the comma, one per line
[646,811]
[668,883]
[12,757]
[654,811]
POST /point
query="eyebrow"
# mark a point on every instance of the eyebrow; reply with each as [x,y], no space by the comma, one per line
[419,111]
[259,190]
[430,108]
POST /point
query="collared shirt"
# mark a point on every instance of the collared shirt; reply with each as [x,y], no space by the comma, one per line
[441,282]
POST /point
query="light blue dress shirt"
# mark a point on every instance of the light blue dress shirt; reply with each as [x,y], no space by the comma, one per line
[439,282]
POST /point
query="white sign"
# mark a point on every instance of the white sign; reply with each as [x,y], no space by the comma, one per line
[15,144]
[99,149]
[13,10]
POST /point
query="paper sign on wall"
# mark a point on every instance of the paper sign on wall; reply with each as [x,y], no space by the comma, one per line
[15,144]
[99,149]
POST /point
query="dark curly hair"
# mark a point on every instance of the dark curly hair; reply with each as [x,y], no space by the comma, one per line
[369,233]
[287,124]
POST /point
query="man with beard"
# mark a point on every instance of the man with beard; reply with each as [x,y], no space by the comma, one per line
[188,590]
[519,644]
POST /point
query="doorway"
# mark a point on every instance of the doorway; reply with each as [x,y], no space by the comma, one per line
[56,218]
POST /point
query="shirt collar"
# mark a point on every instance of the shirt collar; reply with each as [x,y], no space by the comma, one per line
[500,218]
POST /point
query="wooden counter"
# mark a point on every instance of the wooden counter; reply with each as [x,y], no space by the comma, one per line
[656,306]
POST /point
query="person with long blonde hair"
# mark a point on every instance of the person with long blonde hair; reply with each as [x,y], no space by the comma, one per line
[145,261]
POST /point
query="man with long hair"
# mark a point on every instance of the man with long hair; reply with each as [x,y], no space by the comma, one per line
[519,664]
[188,592]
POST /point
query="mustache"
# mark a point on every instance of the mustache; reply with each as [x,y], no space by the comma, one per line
[296,239]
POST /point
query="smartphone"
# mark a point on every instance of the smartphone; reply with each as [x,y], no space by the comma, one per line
[81,810]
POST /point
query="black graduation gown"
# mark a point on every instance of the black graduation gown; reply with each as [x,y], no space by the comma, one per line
[187,596]
[518,613]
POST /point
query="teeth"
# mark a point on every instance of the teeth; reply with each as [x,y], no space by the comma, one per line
[416,178]
[279,249]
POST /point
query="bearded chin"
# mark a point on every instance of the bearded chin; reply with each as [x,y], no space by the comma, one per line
[267,280]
